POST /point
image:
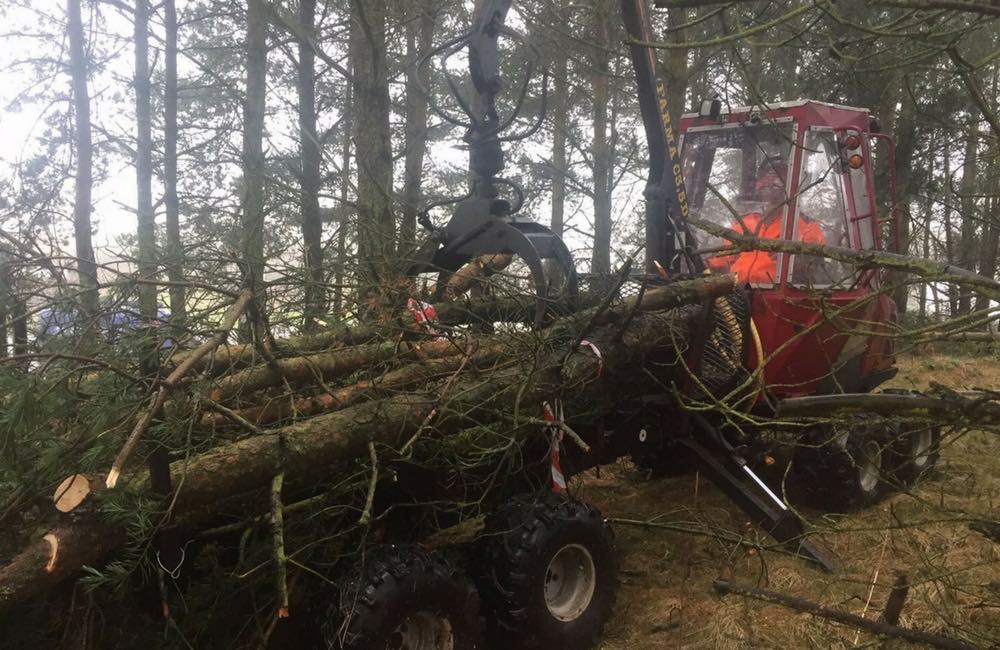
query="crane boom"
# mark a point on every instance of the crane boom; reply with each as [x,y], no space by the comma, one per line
[666,197]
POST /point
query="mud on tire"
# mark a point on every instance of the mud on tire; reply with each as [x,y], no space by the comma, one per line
[404,597]
[549,572]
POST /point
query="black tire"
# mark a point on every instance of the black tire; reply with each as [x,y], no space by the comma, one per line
[841,468]
[404,597]
[550,572]
[914,452]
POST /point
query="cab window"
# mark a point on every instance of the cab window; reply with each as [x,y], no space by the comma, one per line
[822,214]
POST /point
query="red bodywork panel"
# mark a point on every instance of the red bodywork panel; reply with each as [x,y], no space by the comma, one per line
[821,340]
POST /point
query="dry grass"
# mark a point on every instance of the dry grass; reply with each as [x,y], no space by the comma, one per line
[665,598]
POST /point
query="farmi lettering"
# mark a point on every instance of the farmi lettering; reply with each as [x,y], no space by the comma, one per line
[668,132]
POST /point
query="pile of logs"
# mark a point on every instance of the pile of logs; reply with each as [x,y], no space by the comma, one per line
[285,416]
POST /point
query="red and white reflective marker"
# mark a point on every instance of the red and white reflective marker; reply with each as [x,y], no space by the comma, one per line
[554,415]
[424,315]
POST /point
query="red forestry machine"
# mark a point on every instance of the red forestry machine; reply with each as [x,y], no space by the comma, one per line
[798,326]
[694,374]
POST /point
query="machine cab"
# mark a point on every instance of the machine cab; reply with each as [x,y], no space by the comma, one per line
[799,171]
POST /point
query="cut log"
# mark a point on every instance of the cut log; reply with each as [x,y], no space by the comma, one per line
[345,361]
[456,312]
[287,407]
[61,552]
[326,366]
[473,272]
[71,492]
[233,356]
[307,450]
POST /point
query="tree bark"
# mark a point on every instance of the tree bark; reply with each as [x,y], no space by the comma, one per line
[373,151]
[991,230]
[4,314]
[905,146]
[967,239]
[343,209]
[419,39]
[928,214]
[171,204]
[146,230]
[949,243]
[328,365]
[401,379]
[676,66]
[253,161]
[309,181]
[755,73]
[560,127]
[50,559]
[600,149]
[85,261]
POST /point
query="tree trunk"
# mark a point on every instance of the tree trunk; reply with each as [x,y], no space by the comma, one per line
[754,73]
[343,209]
[253,160]
[967,241]
[675,66]
[85,262]
[949,244]
[928,216]
[3,325]
[309,181]
[175,247]
[991,231]
[19,324]
[373,151]
[905,146]
[146,231]
[560,127]
[600,149]
[419,39]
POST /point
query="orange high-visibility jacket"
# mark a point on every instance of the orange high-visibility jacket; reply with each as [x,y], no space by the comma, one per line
[760,266]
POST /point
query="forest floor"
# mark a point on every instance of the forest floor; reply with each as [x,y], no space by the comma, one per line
[665,597]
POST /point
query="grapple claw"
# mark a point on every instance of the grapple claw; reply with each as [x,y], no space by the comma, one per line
[482,227]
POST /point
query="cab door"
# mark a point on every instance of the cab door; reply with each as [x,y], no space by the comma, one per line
[823,329]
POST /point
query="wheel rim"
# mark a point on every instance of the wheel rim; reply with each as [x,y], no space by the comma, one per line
[870,465]
[920,447]
[570,580]
[424,631]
